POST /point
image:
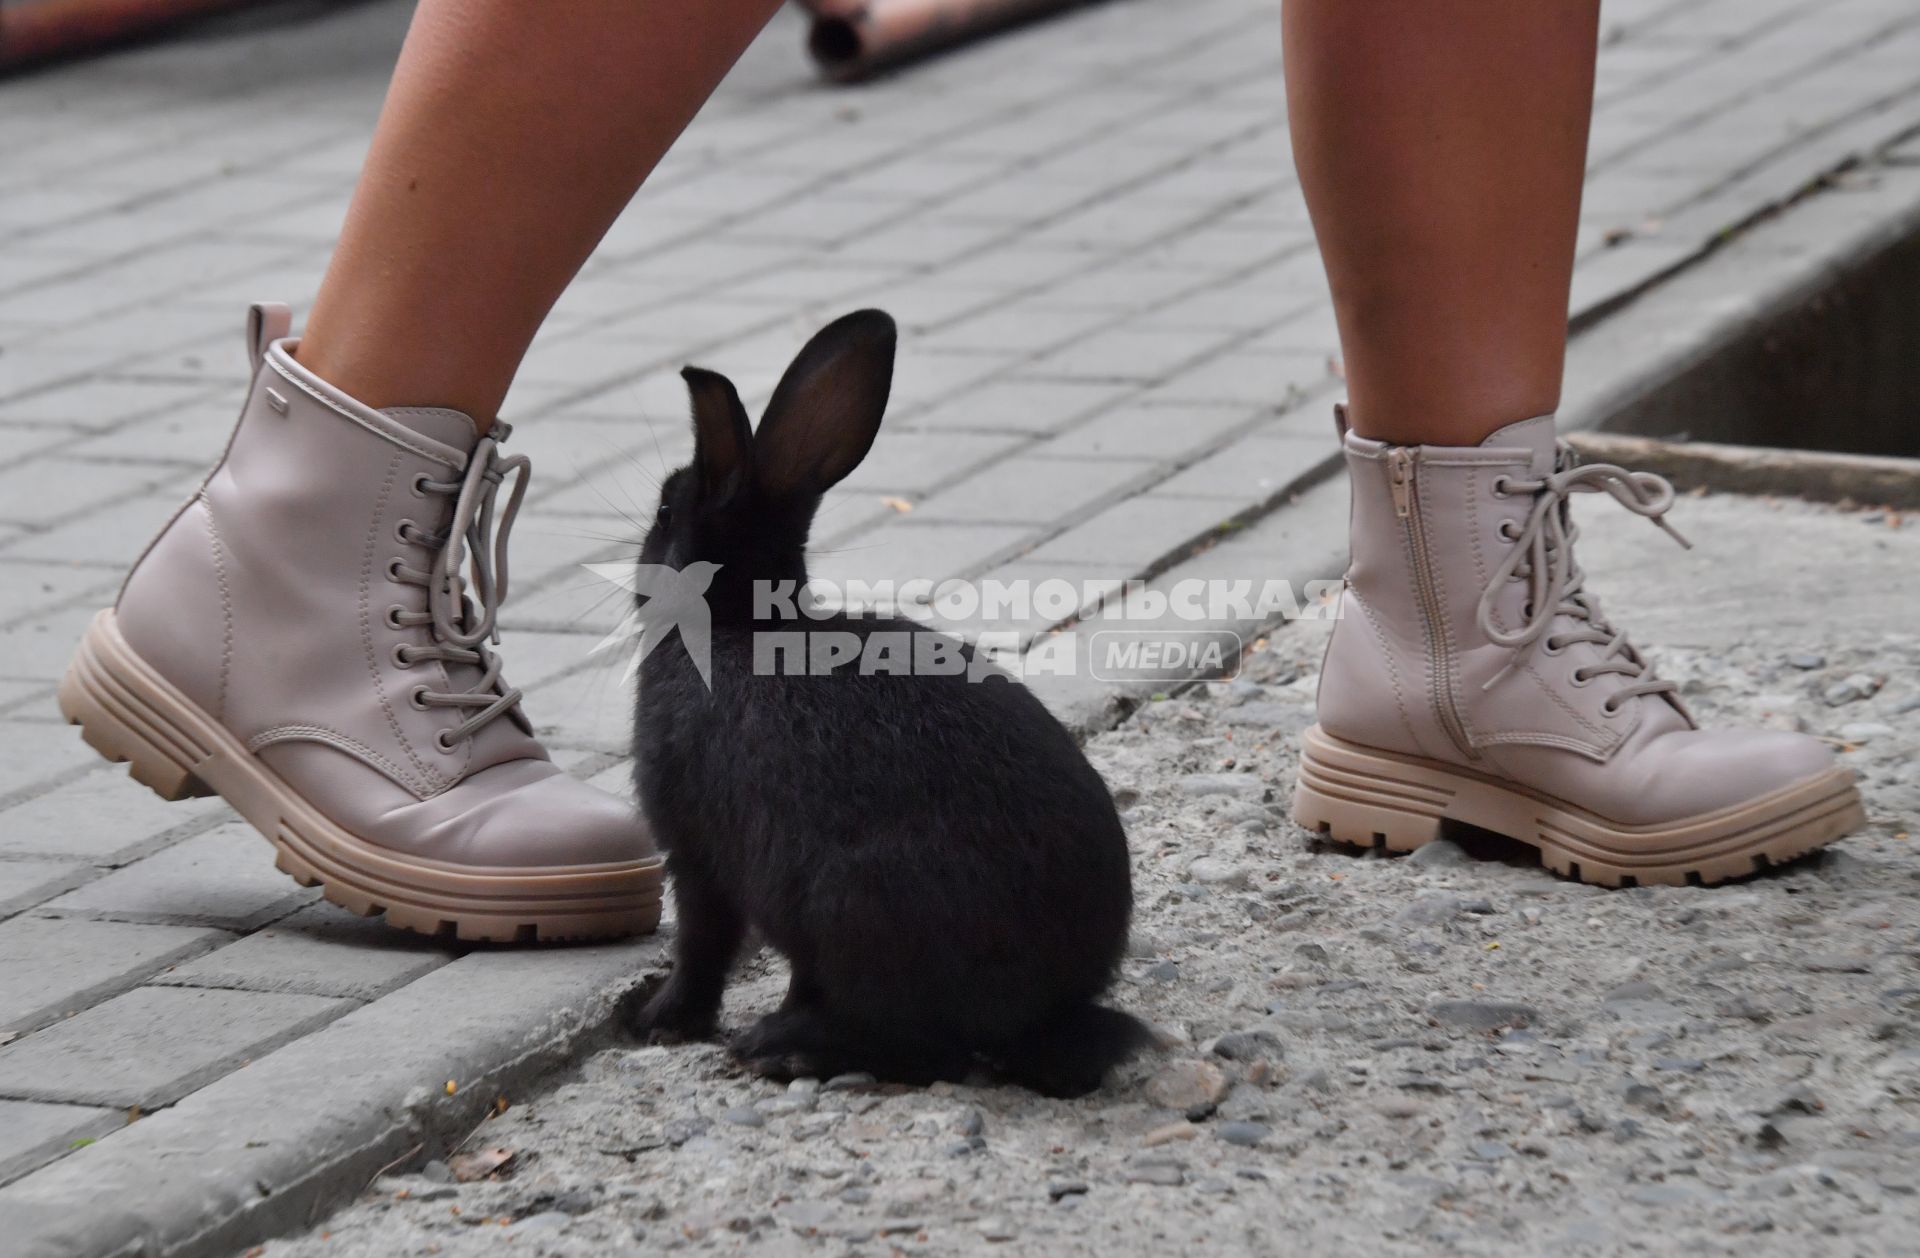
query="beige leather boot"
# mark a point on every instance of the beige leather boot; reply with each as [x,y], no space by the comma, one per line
[299,639]
[1472,678]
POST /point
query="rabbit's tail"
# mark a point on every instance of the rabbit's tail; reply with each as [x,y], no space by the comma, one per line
[1069,1052]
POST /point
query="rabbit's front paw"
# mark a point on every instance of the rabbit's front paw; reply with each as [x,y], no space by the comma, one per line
[671,1017]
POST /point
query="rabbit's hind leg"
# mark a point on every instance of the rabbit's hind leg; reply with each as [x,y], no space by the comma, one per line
[802,1041]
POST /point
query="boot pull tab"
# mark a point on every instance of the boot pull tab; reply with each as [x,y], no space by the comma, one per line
[1340,424]
[267,322]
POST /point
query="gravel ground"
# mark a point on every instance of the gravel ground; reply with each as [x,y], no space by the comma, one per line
[1450,1051]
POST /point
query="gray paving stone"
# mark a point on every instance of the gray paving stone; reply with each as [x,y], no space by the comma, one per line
[102,816]
[154,1045]
[1136,431]
[45,490]
[907,462]
[25,883]
[1264,375]
[336,1106]
[1089,584]
[225,878]
[1034,491]
[40,649]
[50,968]
[25,700]
[1125,355]
[178,439]
[1022,326]
[902,551]
[30,758]
[33,1133]
[103,402]
[591,707]
[1249,470]
[322,950]
[34,588]
[114,534]
[1022,406]
[1131,534]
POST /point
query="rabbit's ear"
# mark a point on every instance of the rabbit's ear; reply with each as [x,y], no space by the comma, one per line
[722,437]
[827,408]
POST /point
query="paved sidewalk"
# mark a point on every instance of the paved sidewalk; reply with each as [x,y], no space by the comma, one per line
[1117,338]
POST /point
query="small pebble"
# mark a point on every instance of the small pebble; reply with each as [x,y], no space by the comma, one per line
[1165,1174]
[1245,1134]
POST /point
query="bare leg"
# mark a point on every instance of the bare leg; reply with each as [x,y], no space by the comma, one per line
[511,138]
[1441,145]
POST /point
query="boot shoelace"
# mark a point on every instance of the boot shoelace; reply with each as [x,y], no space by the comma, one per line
[1542,555]
[462,625]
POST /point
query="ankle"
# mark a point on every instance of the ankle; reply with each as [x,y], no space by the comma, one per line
[383,379]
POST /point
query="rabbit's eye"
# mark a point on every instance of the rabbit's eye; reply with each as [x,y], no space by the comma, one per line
[663,515]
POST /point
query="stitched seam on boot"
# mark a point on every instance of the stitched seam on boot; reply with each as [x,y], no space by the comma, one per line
[1522,738]
[1561,703]
[327,402]
[428,781]
[334,738]
[1393,673]
[226,609]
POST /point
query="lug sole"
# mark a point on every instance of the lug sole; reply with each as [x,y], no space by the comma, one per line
[129,713]
[1370,798]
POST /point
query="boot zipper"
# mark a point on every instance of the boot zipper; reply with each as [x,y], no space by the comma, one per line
[1401,466]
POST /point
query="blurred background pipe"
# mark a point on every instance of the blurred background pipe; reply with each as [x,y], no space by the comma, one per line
[38,30]
[852,39]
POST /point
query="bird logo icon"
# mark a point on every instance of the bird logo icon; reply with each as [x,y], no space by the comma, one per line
[668,599]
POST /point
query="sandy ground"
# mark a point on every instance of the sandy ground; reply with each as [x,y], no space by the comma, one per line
[1450,1052]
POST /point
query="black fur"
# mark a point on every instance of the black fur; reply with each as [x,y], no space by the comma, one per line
[934,856]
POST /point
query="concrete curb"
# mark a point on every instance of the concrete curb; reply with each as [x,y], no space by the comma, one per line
[274,1146]
[1862,480]
[1653,366]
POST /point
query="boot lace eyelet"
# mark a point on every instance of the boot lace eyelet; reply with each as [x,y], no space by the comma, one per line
[1506,531]
[1609,708]
[1500,486]
[444,740]
[403,656]
[1553,646]
[402,532]
[393,616]
[393,570]
[417,698]
[1580,677]
[419,486]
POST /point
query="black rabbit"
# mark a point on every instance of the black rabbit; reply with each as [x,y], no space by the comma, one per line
[933,854]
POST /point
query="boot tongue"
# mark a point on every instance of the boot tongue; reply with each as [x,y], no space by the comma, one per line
[436,423]
[1536,436]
